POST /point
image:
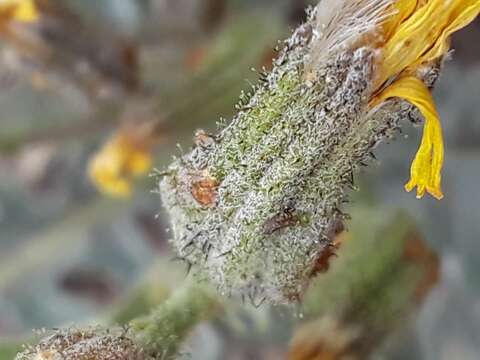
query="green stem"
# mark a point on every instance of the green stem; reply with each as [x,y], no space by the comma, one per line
[167,326]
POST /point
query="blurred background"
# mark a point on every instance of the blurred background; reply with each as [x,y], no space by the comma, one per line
[81,72]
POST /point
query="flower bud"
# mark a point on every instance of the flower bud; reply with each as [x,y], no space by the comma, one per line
[253,207]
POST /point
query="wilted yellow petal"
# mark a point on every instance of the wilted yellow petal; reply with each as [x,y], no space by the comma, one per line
[418,33]
[424,35]
[112,169]
[20,10]
[412,38]
[425,173]
[462,15]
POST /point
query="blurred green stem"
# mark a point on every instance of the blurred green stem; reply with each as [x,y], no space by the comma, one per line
[162,331]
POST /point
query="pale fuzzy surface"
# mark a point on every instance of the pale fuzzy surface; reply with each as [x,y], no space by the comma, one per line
[340,23]
[88,344]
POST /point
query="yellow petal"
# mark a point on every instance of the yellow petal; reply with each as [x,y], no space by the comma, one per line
[425,173]
[20,10]
[424,35]
[113,168]
[462,14]
[412,38]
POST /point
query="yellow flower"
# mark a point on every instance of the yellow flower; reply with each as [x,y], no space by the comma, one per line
[113,168]
[417,33]
[19,10]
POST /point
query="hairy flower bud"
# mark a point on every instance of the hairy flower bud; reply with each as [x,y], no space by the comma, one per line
[276,177]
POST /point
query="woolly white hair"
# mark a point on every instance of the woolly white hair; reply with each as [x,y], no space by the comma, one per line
[339,23]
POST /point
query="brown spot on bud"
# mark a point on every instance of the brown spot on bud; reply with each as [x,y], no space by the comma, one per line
[280,221]
[322,265]
[336,235]
[204,190]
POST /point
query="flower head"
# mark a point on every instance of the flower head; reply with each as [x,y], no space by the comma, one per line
[418,33]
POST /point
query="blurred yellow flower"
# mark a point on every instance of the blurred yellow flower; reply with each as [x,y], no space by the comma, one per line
[19,10]
[418,33]
[113,168]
